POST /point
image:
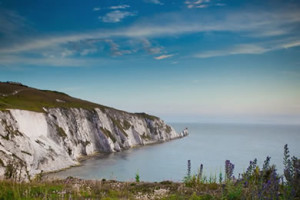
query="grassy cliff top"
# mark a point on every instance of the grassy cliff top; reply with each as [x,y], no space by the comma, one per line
[18,96]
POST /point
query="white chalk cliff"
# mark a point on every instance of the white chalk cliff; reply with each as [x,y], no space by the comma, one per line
[56,138]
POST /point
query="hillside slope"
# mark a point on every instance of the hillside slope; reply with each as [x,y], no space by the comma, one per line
[48,130]
[18,96]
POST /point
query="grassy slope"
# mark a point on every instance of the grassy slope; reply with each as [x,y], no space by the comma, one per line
[72,188]
[33,99]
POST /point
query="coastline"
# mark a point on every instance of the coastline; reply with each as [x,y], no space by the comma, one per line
[94,155]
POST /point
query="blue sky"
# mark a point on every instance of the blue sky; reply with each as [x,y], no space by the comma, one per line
[183,60]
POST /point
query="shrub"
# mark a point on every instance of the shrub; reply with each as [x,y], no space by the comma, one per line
[137,177]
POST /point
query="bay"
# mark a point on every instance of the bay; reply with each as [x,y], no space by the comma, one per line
[207,144]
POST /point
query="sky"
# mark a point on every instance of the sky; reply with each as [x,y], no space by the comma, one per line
[182,60]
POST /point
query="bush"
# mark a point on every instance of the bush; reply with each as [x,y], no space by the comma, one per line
[137,177]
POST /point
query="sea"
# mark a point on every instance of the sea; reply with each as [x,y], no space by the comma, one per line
[207,144]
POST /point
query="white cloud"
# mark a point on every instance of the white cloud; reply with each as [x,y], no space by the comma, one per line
[50,61]
[163,56]
[247,49]
[85,52]
[238,49]
[158,2]
[258,23]
[96,9]
[291,44]
[116,16]
[149,48]
[119,7]
[115,48]
[84,47]
[154,50]
[197,3]
[67,53]
[56,50]
[220,4]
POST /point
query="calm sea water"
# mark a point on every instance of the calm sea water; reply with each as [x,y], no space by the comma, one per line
[209,144]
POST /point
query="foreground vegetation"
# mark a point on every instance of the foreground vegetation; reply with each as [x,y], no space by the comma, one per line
[255,183]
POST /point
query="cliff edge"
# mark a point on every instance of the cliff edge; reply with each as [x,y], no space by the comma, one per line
[49,130]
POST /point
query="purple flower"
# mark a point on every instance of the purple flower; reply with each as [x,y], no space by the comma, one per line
[189,169]
[229,167]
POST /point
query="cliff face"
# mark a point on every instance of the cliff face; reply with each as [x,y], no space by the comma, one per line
[56,138]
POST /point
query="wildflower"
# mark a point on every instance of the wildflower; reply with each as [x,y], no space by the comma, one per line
[266,163]
[189,168]
[200,172]
[229,167]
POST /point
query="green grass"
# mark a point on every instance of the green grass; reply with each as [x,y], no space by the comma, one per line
[34,100]
[108,134]
[168,129]
[147,116]
[5,137]
[117,123]
[11,190]
[126,124]
[72,188]
[61,132]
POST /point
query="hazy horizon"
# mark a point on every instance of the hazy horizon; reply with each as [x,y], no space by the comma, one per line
[185,61]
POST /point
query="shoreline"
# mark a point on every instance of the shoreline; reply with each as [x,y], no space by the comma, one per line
[94,155]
